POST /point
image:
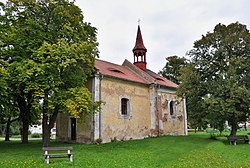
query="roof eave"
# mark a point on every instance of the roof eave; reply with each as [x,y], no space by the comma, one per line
[114,77]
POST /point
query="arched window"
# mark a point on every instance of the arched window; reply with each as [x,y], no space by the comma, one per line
[124,106]
[171,107]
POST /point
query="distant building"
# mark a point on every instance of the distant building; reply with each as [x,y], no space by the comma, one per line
[36,129]
[139,104]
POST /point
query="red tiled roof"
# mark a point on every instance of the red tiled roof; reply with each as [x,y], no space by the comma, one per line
[124,72]
[161,80]
[118,71]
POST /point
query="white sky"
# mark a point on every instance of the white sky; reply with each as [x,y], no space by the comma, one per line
[169,27]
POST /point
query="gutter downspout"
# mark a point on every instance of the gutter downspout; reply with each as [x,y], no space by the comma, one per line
[185,116]
[93,113]
[100,98]
[157,87]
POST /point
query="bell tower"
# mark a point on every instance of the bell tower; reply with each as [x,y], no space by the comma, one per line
[140,51]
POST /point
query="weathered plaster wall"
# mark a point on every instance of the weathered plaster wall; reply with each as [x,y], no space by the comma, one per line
[113,126]
[84,132]
[171,124]
[149,115]
[62,127]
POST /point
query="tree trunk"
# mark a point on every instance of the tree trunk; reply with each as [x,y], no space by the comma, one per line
[48,122]
[7,133]
[46,135]
[2,130]
[8,124]
[25,130]
[234,126]
[25,105]
[46,129]
[45,126]
[25,123]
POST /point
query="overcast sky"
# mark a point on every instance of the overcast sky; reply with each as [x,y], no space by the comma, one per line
[169,27]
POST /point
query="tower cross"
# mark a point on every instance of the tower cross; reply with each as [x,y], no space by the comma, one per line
[139,21]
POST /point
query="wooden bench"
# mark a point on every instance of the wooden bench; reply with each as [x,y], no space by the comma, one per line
[48,155]
[233,139]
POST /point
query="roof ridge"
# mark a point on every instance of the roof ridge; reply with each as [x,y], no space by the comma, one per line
[161,76]
[155,76]
[135,73]
[138,71]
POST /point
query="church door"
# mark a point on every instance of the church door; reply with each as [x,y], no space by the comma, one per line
[73,128]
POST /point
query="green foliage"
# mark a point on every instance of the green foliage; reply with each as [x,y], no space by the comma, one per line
[193,90]
[172,68]
[3,90]
[221,71]
[3,76]
[50,53]
[36,135]
[98,141]
[80,102]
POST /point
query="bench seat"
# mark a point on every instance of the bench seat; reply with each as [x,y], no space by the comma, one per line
[48,155]
[232,139]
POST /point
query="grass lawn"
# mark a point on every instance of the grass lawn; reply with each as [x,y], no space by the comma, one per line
[195,150]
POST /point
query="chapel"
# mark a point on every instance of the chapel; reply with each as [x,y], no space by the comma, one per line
[139,103]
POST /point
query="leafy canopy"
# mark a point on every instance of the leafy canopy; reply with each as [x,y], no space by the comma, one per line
[221,60]
[50,52]
[172,68]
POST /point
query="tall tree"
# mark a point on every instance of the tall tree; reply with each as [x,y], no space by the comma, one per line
[172,68]
[193,90]
[222,60]
[3,76]
[9,115]
[51,52]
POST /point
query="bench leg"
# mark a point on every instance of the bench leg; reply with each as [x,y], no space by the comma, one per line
[47,159]
[232,142]
[71,158]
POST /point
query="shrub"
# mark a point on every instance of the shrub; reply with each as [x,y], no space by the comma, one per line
[35,135]
[212,136]
[98,141]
